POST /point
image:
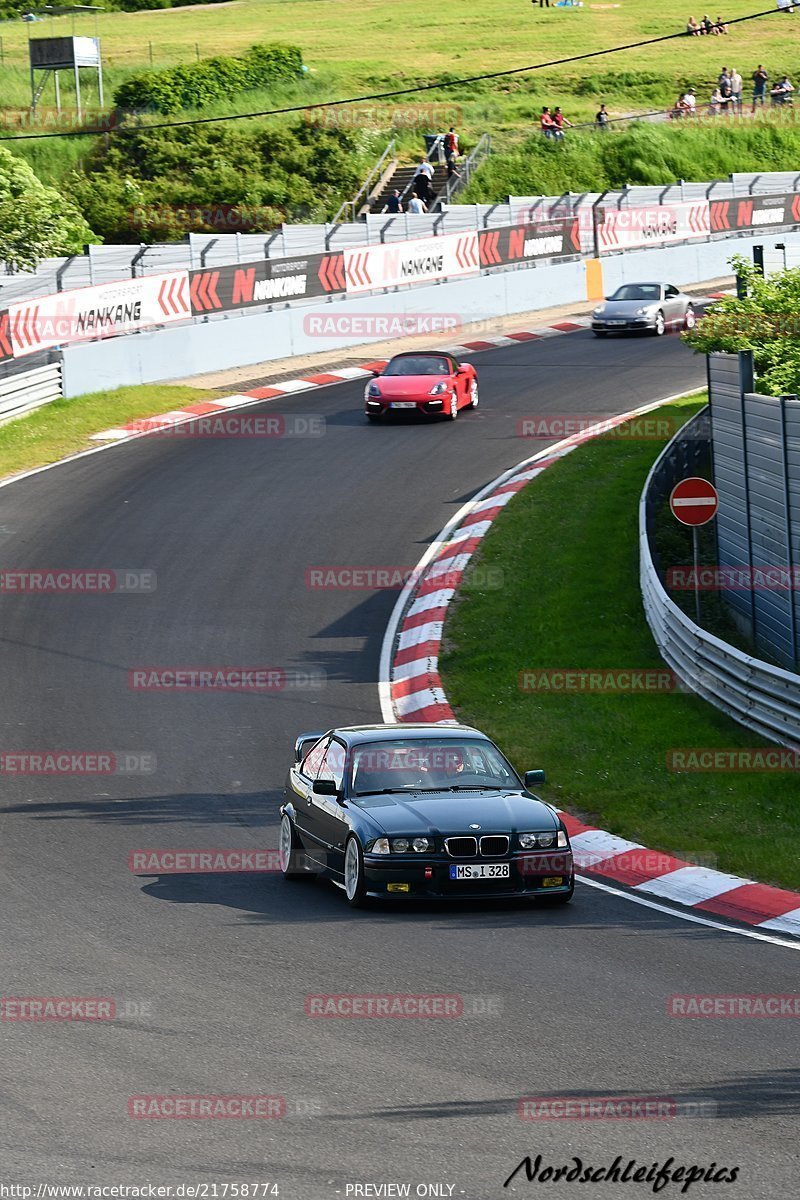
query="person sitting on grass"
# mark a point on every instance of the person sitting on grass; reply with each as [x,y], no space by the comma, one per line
[782,92]
[708,25]
[679,109]
[692,28]
[720,26]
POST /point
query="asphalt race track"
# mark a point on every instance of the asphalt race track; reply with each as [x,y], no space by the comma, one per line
[214,968]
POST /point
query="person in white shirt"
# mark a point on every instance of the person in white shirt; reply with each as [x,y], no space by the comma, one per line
[690,100]
[416,206]
[736,90]
[422,181]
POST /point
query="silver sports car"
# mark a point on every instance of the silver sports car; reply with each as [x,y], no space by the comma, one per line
[651,307]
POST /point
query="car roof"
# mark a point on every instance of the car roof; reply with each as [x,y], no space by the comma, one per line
[645,283]
[422,354]
[354,734]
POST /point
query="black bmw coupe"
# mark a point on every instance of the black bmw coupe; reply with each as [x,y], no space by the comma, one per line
[419,811]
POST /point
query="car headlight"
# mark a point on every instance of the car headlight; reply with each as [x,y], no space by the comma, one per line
[373,390]
[598,312]
[642,312]
[401,845]
[438,389]
[547,840]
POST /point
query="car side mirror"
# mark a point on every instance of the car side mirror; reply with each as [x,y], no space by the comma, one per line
[324,787]
[532,778]
[375,374]
[304,744]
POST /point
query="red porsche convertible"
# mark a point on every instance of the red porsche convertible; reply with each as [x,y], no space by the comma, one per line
[432,383]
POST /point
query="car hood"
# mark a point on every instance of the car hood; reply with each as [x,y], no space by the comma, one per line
[454,812]
[626,308]
[404,385]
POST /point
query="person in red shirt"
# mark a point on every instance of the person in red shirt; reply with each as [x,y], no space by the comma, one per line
[451,143]
[548,125]
[561,123]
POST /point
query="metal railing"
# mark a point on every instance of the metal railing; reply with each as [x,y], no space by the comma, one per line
[758,695]
[22,392]
[365,193]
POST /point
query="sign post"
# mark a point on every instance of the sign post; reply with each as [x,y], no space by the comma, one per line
[694,502]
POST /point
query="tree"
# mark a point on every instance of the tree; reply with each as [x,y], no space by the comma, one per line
[766,321]
[36,222]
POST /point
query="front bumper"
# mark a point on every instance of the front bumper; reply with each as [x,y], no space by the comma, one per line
[428,876]
[623,326]
[433,406]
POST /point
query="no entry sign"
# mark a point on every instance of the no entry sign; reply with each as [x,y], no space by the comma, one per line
[694,501]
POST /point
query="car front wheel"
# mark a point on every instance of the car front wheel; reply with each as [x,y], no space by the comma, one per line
[452,412]
[288,850]
[690,320]
[660,325]
[473,394]
[354,884]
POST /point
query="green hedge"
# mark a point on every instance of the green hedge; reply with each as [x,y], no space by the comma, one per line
[200,84]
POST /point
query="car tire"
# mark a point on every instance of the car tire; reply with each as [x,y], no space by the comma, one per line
[355,887]
[690,320]
[289,850]
[473,394]
[453,411]
[599,332]
[660,326]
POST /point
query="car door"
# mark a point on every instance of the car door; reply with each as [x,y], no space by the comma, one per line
[673,304]
[460,381]
[307,821]
[330,815]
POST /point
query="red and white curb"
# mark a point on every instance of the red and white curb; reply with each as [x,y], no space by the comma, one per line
[411,691]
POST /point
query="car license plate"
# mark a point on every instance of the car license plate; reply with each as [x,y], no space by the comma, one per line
[480,871]
[616,322]
[403,404]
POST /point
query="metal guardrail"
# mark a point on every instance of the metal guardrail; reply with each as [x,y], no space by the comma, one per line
[26,390]
[758,695]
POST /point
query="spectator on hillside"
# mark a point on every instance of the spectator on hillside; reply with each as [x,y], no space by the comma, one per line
[561,123]
[546,123]
[601,119]
[451,143]
[393,203]
[707,25]
[417,206]
[716,103]
[736,90]
[422,181]
[690,101]
[692,28]
[760,80]
[725,90]
[784,6]
[782,92]
[720,26]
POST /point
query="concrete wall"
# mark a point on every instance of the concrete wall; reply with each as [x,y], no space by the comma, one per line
[248,338]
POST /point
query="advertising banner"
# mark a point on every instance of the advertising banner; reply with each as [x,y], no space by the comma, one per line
[755,212]
[525,243]
[268,281]
[417,261]
[97,312]
[655,224]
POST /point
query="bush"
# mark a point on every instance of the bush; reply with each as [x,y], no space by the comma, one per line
[35,221]
[197,85]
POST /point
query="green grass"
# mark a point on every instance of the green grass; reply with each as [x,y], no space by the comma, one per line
[567,547]
[65,427]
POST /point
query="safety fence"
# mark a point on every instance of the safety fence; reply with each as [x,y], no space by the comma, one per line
[761,696]
[525,231]
[21,391]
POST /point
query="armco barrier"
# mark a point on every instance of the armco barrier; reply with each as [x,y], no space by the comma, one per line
[755,693]
[22,392]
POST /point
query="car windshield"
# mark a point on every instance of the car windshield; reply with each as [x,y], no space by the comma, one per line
[637,291]
[430,765]
[418,364]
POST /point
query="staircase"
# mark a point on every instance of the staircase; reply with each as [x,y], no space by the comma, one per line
[401,179]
